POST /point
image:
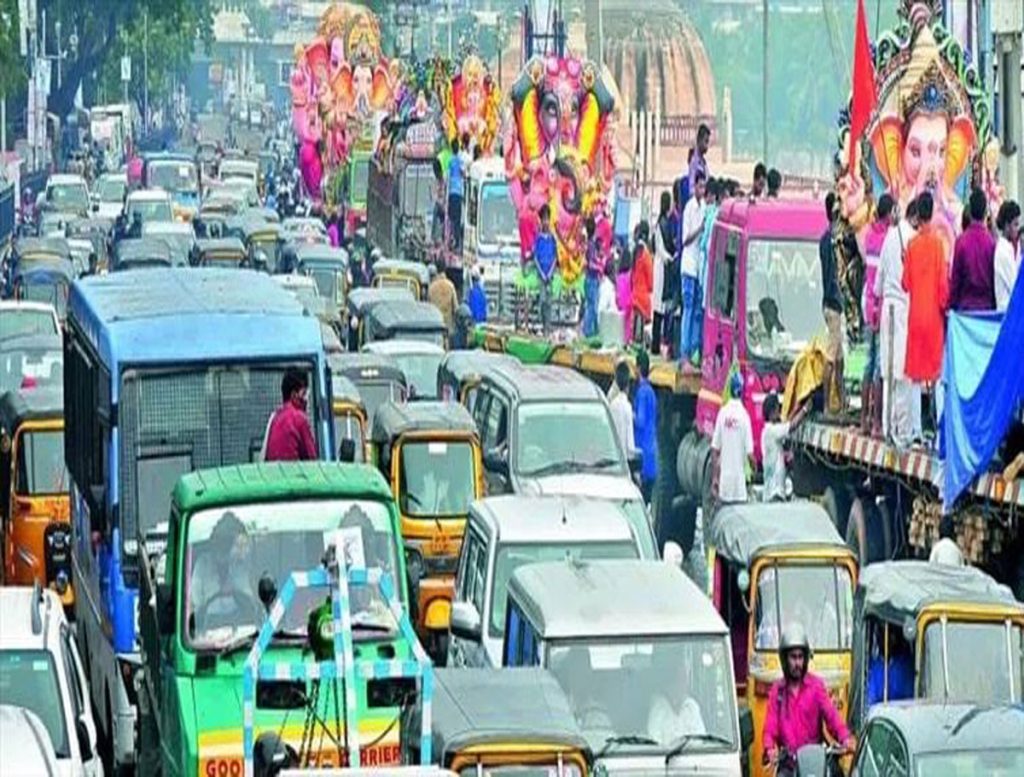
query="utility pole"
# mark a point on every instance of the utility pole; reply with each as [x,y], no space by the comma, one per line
[764,83]
[448,11]
[145,67]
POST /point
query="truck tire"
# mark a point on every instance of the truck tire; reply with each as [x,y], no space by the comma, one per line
[888,532]
[836,501]
[864,533]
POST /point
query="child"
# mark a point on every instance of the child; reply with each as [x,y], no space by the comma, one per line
[545,256]
[773,454]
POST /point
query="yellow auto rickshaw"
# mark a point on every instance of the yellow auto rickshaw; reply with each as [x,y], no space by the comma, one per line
[773,564]
[430,454]
[349,415]
[496,721]
[952,632]
[402,274]
[34,500]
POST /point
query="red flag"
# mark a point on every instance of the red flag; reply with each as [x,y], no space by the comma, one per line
[864,100]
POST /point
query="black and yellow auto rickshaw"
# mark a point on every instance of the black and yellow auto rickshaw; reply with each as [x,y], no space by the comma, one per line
[401,273]
[136,253]
[328,267]
[430,454]
[359,302]
[377,378]
[772,565]
[97,232]
[947,633]
[34,501]
[263,242]
[403,320]
[498,722]
[44,251]
[221,252]
[350,422]
[460,373]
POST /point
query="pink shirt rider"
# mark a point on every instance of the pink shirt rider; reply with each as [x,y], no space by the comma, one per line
[795,720]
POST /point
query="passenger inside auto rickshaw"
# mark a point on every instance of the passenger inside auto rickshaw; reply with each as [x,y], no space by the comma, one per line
[890,667]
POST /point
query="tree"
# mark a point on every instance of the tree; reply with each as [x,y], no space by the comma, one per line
[108,29]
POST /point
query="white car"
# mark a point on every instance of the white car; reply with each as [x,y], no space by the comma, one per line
[41,670]
[33,756]
[22,317]
[108,195]
[67,193]
[152,204]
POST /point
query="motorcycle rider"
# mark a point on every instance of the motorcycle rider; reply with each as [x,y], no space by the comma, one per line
[798,704]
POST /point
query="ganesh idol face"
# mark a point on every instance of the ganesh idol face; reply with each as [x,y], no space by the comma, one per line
[362,84]
[924,153]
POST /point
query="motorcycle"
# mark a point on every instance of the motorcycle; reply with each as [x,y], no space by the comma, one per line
[818,760]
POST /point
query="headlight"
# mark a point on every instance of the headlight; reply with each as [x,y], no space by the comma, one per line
[61,583]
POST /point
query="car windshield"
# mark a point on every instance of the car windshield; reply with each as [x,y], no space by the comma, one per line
[111,189]
[418,190]
[782,275]
[566,437]
[28,678]
[41,468]
[497,220]
[172,176]
[26,321]
[820,597]
[68,196]
[348,427]
[40,364]
[360,181]
[985,662]
[437,479]
[151,210]
[421,372]
[991,762]
[661,689]
[511,557]
[229,550]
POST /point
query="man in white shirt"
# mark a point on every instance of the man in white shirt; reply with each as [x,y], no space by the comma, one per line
[674,713]
[946,551]
[732,446]
[693,227]
[1007,257]
[773,451]
[622,410]
[901,399]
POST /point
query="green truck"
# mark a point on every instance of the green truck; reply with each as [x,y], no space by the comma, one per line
[235,536]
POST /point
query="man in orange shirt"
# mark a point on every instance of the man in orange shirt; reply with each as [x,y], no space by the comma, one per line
[926,281]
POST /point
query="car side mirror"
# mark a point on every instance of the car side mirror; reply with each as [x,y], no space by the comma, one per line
[84,738]
[465,621]
[496,461]
[746,728]
[636,461]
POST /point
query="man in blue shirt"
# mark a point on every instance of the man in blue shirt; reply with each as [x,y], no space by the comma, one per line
[456,190]
[545,256]
[900,673]
[645,425]
[477,298]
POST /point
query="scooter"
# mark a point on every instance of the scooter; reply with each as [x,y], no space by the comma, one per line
[809,761]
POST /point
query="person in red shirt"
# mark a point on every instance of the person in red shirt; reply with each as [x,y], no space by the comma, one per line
[289,437]
[642,282]
[798,704]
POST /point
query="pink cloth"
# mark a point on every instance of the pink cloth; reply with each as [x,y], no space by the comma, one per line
[332,234]
[796,720]
[290,438]
[624,301]
[872,303]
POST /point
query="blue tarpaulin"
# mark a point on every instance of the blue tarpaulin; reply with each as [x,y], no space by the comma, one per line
[983,374]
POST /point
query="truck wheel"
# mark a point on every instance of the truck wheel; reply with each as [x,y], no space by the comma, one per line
[864,532]
[888,533]
[836,501]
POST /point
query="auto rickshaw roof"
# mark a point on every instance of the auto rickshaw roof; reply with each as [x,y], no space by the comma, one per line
[740,532]
[405,315]
[250,226]
[33,342]
[520,706]
[209,245]
[568,599]
[42,403]
[49,268]
[417,270]
[393,419]
[894,590]
[344,390]
[462,364]
[544,382]
[142,249]
[936,726]
[274,481]
[365,366]
[51,246]
[315,253]
[362,299]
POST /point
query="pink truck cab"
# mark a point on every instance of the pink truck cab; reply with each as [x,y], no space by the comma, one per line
[762,305]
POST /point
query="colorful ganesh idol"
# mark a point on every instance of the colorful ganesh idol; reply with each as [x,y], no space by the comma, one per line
[559,151]
[931,125]
[306,120]
[473,105]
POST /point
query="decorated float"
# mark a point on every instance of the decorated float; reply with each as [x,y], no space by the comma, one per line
[558,152]
[341,86]
[931,131]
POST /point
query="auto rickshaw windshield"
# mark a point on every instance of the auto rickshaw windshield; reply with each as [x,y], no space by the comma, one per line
[819,597]
[664,689]
[229,549]
[41,470]
[376,393]
[328,284]
[436,478]
[982,662]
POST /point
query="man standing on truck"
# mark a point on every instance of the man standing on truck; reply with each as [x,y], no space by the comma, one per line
[545,256]
[732,447]
[693,228]
[456,190]
[645,426]
[832,307]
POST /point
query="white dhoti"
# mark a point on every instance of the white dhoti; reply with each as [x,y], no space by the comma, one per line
[901,399]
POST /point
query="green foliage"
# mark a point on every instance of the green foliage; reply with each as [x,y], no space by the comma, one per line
[12,68]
